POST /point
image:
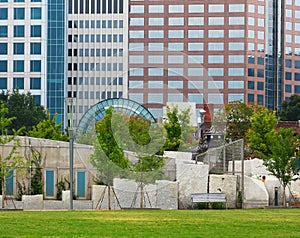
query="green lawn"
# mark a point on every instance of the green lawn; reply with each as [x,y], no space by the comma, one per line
[263,223]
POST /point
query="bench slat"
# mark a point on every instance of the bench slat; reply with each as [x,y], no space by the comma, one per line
[208,197]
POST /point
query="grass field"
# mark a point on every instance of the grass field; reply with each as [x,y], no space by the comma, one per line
[263,223]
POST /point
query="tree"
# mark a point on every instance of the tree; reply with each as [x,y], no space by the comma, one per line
[290,110]
[235,117]
[24,109]
[276,148]
[9,161]
[48,129]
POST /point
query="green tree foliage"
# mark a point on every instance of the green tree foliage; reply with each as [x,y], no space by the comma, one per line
[24,109]
[276,148]
[48,129]
[10,161]
[234,118]
[290,110]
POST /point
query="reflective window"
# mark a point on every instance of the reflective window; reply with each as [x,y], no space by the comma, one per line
[136,9]
[175,71]
[156,34]
[251,21]
[155,98]
[235,71]
[261,35]
[155,59]
[261,9]
[235,84]
[195,97]
[260,73]
[19,13]
[216,8]
[251,46]
[175,84]
[260,60]
[260,99]
[35,66]
[136,34]
[175,59]
[3,83]
[36,13]
[297,89]
[3,31]
[235,59]
[175,97]
[251,59]
[36,31]
[3,48]
[18,83]
[261,22]
[136,21]
[215,59]
[250,84]
[136,46]
[3,66]
[297,76]
[196,8]
[297,39]
[3,13]
[289,13]
[215,71]
[195,33]
[155,46]
[215,84]
[236,46]
[236,20]
[35,83]
[196,21]
[216,33]
[156,21]
[236,7]
[175,46]
[297,64]
[155,84]
[195,46]
[195,71]
[260,85]
[195,84]
[136,59]
[19,48]
[251,8]
[215,21]
[135,84]
[260,47]
[156,8]
[155,71]
[250,98]
[195,59]
[19,31]
[235,97]
[137,97]
[176,33]
[236,33]
[136,72]
[176,8]
[176,21]
[216,46]
[215,98]
[18,65]
[251,34]
[251,72]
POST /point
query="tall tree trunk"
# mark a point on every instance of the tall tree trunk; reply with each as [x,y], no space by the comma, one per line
[3,191]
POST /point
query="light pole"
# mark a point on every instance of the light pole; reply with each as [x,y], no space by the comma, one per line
[70,103]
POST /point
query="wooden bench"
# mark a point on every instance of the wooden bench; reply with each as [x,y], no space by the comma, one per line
[208,198]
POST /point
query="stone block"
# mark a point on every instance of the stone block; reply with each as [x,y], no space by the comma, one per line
[126,192]
[270,184]
[100,197]
[255,193]
[33,202]
[252,167]
[167,195]
[227,184]
[192,178]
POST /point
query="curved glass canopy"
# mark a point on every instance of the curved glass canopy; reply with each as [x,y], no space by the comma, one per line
[97,112]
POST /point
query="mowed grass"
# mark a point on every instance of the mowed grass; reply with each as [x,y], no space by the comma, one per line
[263,223]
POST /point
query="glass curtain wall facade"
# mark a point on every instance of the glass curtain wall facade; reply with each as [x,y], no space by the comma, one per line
[23,41]
[97,52]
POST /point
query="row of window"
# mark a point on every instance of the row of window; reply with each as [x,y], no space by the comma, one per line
[96,24]
[94,95]
[212,98]
[21,0]
[197,8]
[95,81]
[159,34]
[18,83]
[19,13]
[19,48]
[259,85]
[178,84]
[288,76]
[195,46]
[18,65]
[260,73]
[214,72]
[19,31]
[95,6]
[196,21]
[289,63]
[259,98]
[95,66]
[96,38]
[288,89]
[95,52]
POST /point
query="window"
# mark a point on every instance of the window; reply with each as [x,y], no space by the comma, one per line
[297,64]
[155,71]
[215,98]
[235,59]
[235,84]
[18,31]
[3,66]
[155,84]
[3,83]
[155,98]
[216,46]
[195,84]
[136,21]
[251,34]
[175,46]
[3,31]
[36,13]
[136,34]
[137,97]
[18,83]
[35,83]
[136,72]
[195,46]
[261,9]
[195,59]
[297,76]
[215,84]
[236,46]
[235,97]
[216,71]
[297,89]
[3,48]
[19,13]
[260,73]
[288,76]
[215,59]
[156,8]
[216,21]
[260,85]
[195,33]
[135,84]
[250,98]
[236,7]
[136,46]
[136,59]
[176,33]
[250,84]
[260,60]
[36,31]
[195,72]
[175,84]
[251,21]
[156,34]
[216,8]
[35,66]
[236,33]
[155,46]
[251,72]
[176,21]
[216,33]
[175,97]
[156,21]
[196,8]
[19,48]
[260,99]
[155,59]
[136,9]
[251,59]
[175,71]
[195,97]
[237,21]
[18,65]
[176,8]
[261,22]
[3,13]
[196,21]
